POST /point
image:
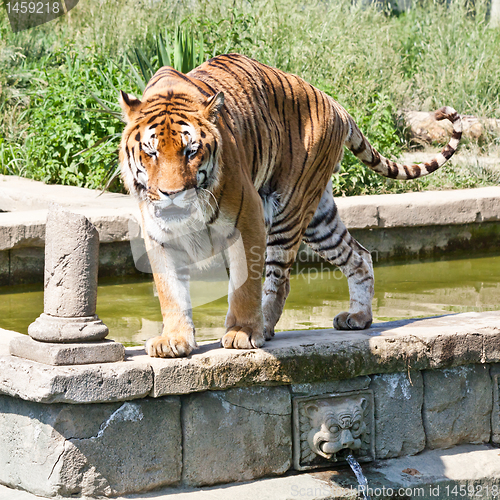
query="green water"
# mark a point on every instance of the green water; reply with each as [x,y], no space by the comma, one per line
[132,312]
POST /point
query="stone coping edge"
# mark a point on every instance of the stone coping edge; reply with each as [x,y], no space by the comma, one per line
[26,228]
[296,357]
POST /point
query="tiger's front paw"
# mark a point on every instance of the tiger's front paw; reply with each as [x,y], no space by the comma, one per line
[355,321]
[168,347]
[268,332]
[239,337]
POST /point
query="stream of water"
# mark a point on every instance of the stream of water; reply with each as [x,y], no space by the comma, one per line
[132,312]
[363,482]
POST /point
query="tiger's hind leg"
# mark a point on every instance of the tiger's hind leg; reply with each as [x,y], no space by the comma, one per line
[328,236]
[276,286]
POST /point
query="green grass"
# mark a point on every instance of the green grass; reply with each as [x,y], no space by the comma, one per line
[374,63]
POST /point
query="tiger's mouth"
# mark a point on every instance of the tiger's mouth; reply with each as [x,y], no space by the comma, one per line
[173,212]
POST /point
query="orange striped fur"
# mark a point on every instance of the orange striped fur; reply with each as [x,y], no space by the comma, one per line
[258,148]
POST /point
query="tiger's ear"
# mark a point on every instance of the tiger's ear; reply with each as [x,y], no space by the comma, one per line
[129,104]
[213,106]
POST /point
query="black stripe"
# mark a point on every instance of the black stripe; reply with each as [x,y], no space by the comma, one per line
[283,265]
[448,151]
[335,245]
[359,149]
[346,260]
[431,166]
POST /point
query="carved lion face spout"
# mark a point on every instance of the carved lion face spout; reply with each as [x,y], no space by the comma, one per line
[338,427]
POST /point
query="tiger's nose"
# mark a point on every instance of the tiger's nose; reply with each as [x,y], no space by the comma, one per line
[170,193]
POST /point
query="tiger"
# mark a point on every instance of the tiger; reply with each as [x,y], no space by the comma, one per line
[254,148]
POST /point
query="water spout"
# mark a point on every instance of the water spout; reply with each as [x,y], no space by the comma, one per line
[356,468]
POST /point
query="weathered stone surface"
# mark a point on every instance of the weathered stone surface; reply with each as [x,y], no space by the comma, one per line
[402,243]
[104,449]
[319,355]
[398,414]
[71,264]
[26,265]
[236,435]
[331,387]
[96,383]
[495,413]
[115,259]
[461,206]
[48,328]
[457,406]
[4,267]
[425,128]
[358,212]
[443,474]
[22,229]
[106,351]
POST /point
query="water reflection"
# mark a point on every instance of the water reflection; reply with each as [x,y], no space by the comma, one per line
[132,312]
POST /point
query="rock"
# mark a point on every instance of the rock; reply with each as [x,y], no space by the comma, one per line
[93,383]
[425,128]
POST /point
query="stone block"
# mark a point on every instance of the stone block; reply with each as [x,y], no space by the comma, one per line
[105,351]
[457,406]
[90,450]
[357,212]
[399,429]
[330,387]
[92,383]
[236,435]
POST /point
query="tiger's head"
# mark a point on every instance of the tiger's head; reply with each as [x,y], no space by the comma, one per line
[170,150]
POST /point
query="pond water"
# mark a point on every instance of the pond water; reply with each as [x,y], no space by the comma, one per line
[131,310]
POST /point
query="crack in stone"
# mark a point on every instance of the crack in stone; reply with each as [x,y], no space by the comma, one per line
[127,412]
[58,460]
[257,411]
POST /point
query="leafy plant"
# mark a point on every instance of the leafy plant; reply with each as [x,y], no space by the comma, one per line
[378,122]
[183,52]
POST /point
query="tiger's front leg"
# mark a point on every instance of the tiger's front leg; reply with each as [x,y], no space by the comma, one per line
[244,321]
[171,277]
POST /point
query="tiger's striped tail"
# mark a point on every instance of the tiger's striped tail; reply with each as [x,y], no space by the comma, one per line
[363,150]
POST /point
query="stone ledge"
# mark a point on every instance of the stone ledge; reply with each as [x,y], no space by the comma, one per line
[290,358]
[26,202]
[429,208]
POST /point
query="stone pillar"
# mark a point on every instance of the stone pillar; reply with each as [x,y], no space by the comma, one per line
[69,331]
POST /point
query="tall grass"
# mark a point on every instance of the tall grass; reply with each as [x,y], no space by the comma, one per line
[374,63]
